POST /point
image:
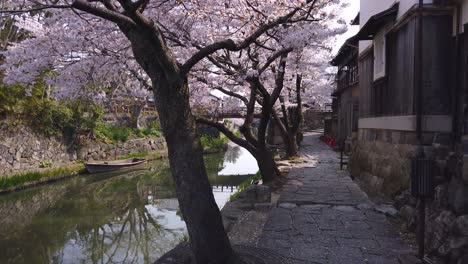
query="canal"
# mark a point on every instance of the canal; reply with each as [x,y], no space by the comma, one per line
[130,217]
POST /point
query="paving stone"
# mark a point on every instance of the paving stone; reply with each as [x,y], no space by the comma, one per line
[327,218]
[287,205]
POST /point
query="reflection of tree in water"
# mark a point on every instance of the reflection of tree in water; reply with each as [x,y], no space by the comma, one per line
[128,239]
[232,154]
[101,221]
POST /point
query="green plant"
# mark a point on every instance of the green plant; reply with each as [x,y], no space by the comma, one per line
[134,155]
[237,133]
[10,99]
[213,143]
[48,117]
[45,164]
[245,184]
[112,133]
[154,129]
[184,238]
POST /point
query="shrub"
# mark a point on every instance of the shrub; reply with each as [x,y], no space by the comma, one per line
[213,143]
[154,129]
[114,133]
[10,99]
[48,117]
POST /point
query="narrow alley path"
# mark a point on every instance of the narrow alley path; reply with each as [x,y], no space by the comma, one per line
[324,217]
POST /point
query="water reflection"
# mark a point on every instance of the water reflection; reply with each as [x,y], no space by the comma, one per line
[104,218]
[238,161]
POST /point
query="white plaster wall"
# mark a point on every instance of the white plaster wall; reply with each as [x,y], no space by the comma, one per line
[465,12]
[368,9]
[372,7]
[464,18]
[406,5]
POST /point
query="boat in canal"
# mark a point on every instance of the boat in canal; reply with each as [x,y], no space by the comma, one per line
[105,166]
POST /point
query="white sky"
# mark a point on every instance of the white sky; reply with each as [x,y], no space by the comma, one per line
[348,14]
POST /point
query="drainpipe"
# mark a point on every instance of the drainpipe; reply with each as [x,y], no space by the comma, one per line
[419,112]
[457,123]
[419,76]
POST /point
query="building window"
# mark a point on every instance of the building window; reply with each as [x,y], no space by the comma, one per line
[379,55]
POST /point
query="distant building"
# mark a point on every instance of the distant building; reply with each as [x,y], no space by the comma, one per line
[345,97]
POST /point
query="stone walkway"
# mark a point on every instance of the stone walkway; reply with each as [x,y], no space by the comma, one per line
[323,216]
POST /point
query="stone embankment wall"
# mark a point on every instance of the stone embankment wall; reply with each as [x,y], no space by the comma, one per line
[381,163]
[23,150]
[103,151]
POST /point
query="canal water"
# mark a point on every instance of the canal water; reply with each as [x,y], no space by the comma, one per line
[130,217]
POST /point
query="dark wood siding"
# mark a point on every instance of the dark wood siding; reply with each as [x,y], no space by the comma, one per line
[394,94]
[400,71]
[366,76]
[436,65]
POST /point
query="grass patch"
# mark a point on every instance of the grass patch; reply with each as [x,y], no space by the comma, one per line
[23,178]
[113,133]
[134,155]
[45,164]
[245,184]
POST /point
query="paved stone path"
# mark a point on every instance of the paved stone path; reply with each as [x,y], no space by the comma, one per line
[323,216]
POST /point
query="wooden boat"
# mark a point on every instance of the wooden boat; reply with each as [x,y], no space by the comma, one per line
[103,166]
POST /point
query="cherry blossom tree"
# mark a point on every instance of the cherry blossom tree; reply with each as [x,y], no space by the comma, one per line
[310,63]
[165,45]
[265,73]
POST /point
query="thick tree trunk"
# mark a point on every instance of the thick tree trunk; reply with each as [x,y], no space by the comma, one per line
[267,165]
[135,113]
[292,148]
[288,136]
[208,238]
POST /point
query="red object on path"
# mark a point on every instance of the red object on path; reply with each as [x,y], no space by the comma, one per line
[330,141]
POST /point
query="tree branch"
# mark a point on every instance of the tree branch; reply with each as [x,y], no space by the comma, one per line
[279,82]
[223,129]
[273,58]
[230,45]
[19,11]
[102,13]
[246,128]
[233,94]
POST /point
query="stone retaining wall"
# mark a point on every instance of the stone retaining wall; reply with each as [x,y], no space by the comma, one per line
[23,150]
[381,159]
[102,151]
[381,163]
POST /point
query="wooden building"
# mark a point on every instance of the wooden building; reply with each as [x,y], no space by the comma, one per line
[346,94]
[405,99]
[413,98]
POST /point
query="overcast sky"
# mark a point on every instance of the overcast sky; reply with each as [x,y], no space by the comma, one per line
[349,14]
